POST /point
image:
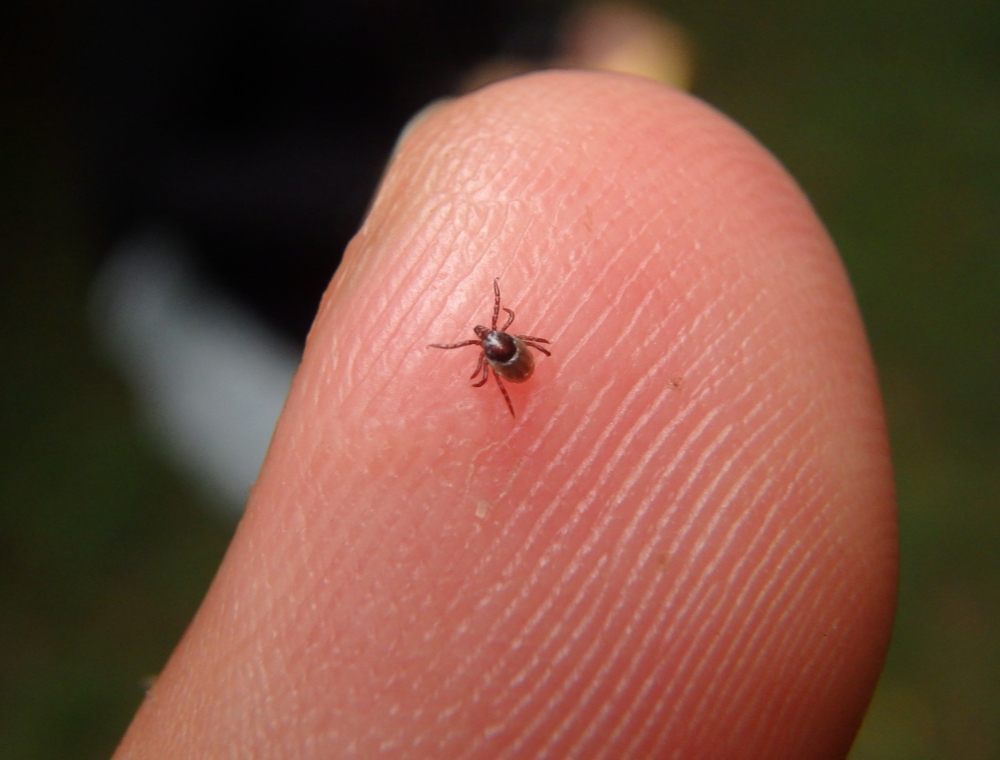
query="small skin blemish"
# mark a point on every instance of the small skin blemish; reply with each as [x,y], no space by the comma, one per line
[506,354]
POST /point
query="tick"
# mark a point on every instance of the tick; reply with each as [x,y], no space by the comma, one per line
[507,354]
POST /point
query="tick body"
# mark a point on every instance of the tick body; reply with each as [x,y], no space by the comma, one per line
[506,354]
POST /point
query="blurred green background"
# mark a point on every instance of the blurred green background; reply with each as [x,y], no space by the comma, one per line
[887,112]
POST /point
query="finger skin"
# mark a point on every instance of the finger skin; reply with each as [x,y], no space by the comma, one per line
[682,546]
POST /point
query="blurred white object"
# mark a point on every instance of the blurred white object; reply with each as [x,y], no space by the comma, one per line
[209,378]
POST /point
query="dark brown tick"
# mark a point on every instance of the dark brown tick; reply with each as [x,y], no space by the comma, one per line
[507,354]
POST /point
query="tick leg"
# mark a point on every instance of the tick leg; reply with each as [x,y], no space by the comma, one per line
[529,341]
[479,366]
[509,319]
[535,345]
[455,345]
[496,302]
[504,392]
[486,371]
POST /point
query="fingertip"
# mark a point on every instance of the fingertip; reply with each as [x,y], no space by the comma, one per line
[712,402]
[683,540]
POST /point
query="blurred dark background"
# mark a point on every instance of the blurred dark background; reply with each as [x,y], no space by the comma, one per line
[253,130]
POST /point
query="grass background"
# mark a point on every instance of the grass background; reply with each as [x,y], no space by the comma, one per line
[887,112]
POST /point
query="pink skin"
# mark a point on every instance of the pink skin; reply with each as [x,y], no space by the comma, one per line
[683,546]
